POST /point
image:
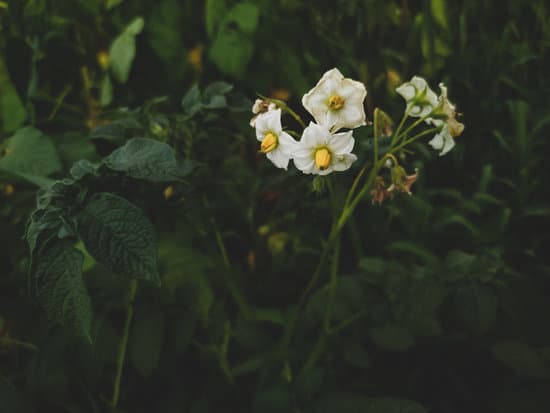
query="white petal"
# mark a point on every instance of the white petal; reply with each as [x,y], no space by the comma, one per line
[262,123]
[407,90]
[306,164]
[448,144]
[273,121]
[437,142]
[341,143]
[287,143]
[333,74]
[343,162]
[279,158]
[419,83]
[352,116]
[352,90]
[315,135]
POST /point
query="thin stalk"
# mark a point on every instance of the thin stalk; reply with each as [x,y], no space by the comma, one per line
[13,342]
[400,126]
[231,287]
[416,137]
[413,125]
[124,343]
[282,104]
[354,184]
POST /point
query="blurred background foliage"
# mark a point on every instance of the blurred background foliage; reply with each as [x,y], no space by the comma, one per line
[443,297]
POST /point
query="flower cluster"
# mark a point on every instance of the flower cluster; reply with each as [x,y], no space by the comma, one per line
[422,102]
[337,107]
[335,103]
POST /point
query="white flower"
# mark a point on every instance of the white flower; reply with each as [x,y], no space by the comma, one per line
[421,100]
[321,152]
[444,140]
[261,106]
[277,145]
[336,102]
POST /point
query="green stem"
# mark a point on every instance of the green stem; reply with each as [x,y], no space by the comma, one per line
[9,342]
[282,104]
[401,123]
[354,184]
[416,137]
[231,287]
[124,343]
[413,125]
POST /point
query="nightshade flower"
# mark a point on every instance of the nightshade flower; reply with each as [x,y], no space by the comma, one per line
[277,145]
[444,140]
[336,102]
[421,100]
[321,152]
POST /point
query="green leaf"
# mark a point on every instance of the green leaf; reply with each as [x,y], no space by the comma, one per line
[112,3]
[146,341]
[106,91]
[146,159]
[215,11]
[30,155]
[476,305]
[12,110]
[191,102]
[525,360]
[123,50]
[164,30]
[245,16]
[392,337]
[233,47]
[60,289]
[118,235]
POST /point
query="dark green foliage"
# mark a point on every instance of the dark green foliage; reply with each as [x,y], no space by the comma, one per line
[130,119]
[118,235]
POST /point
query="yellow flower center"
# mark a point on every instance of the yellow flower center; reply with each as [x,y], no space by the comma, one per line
[323,157]
[269,143]
[336,102]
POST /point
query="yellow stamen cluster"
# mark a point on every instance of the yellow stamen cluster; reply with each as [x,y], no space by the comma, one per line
[336,102]
[323,157]
[269,143]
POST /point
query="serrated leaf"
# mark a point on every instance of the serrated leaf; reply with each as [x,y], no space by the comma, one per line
[191,102]
[82,168]
[146,341]
[118,235]
[146,159]
[31,155]
[123,50]
[60,288]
